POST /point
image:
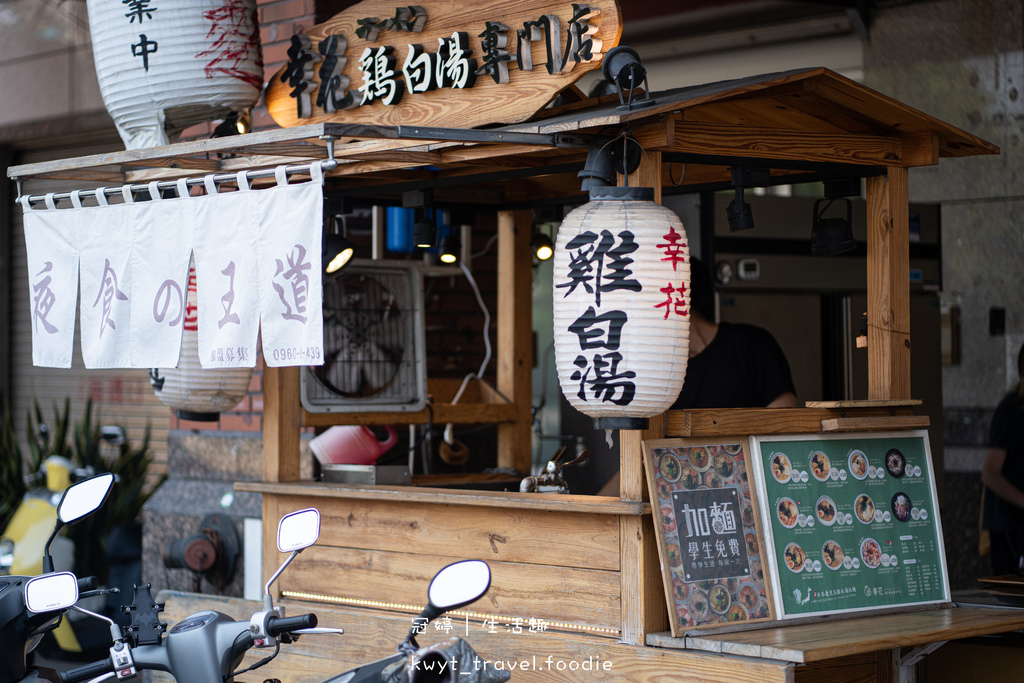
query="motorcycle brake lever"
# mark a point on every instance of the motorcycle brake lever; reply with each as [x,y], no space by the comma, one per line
[99,591]
[319,629]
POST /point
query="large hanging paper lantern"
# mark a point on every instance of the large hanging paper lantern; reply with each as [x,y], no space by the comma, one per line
[621,307]
[164,65]
[198,393]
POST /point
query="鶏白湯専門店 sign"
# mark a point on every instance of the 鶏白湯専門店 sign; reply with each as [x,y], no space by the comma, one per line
[427,64]
[851,521]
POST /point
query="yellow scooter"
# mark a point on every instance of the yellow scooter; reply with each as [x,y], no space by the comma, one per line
[22,542]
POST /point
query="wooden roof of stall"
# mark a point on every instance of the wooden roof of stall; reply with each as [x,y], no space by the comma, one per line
[798,123]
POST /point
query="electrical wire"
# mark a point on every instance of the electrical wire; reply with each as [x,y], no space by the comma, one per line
[448,435]
[487,247]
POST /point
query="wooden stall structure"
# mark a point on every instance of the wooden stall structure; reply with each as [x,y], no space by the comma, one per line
[578,576]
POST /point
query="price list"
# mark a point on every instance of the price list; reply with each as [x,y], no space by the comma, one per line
[851,522]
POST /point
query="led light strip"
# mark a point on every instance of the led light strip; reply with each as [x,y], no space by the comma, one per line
[411,608]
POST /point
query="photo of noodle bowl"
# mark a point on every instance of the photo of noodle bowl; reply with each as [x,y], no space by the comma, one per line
[858,464]
[795,557]
[820,466]
[782,468]
[826,510]
[833,555]
[670,468]
[787,512]
[895,462]
[865,508]
[871,553]
[700,458]
[748,596]
[901,506]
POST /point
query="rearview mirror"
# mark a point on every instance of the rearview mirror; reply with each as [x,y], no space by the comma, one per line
[51,592]
[84,498]
[298,530]
[459,584]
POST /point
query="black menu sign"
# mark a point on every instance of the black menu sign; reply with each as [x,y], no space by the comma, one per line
[710,534]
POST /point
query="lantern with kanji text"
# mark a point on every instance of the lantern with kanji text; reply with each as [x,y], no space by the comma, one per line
[621,307]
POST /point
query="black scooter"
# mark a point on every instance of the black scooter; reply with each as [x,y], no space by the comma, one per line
[208,647]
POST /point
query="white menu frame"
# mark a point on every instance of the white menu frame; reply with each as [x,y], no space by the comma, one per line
[765,510]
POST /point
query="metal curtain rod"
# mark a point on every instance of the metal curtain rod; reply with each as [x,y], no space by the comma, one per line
[299,169]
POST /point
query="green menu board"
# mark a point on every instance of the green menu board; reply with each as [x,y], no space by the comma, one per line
[851,521]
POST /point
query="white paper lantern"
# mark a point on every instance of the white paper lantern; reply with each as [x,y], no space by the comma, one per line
[164,65]
[621,307]
[198,393]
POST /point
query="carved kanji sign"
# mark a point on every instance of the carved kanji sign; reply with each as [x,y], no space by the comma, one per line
[440,64]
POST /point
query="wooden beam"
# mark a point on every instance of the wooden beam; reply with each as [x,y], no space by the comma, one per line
[874,424]
[731,422]
[888,228]
[515,335]
[282,414]
[643,595]
[800,145]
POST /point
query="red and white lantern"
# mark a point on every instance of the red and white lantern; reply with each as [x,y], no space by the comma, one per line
[621,307]
[164,65]
[198,393]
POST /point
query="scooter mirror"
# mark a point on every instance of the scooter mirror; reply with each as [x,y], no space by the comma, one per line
[298,530]
[51,592]
[459,584]
[84,498]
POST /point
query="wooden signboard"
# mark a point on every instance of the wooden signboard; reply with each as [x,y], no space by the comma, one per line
[440,62]
[708,528]
[851,521]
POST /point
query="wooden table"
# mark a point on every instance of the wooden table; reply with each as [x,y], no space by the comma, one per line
[910,636]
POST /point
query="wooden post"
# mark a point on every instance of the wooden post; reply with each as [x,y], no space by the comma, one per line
[643,598]
[282,419]
[515,335]
[888,227]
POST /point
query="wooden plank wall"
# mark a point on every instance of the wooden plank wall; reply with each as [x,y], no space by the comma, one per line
[372,634]
[557,566]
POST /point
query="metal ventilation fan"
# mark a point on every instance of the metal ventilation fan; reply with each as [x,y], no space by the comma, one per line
[373,341]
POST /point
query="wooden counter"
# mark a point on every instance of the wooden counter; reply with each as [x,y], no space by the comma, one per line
[803,643]
[860,650]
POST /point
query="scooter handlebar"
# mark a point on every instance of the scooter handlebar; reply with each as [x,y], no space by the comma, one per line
[87,672]
[278,625]
[87,583]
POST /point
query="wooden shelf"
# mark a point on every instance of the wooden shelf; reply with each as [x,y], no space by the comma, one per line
[553,502]
[444,413]
[816,642]
[480,403]
[741,421]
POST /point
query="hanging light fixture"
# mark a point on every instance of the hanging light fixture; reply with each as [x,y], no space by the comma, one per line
[338,250]
[449,246]
[424,232]
[542,246]
[739,213]
[621,307]
[832,236]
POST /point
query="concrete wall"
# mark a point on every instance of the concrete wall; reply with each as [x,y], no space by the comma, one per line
[962,61]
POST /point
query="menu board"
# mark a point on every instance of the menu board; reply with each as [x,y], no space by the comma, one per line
[851,521]
[707,525]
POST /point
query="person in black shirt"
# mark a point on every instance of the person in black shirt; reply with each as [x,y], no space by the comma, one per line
[731,365]
[1003,477]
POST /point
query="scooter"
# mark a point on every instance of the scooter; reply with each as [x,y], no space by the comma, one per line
[450,661]
[31,607]
[208,647]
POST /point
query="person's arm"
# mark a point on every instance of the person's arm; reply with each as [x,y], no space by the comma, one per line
[784,400]
[992,477]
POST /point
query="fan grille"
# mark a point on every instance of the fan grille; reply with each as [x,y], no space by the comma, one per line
[373,342]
